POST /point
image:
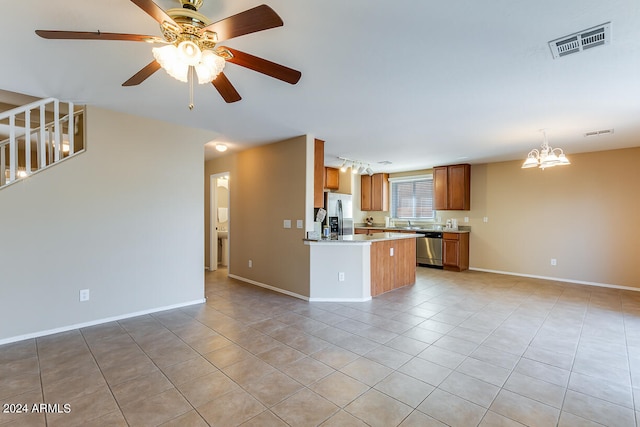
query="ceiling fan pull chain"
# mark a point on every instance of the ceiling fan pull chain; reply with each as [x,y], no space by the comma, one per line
[191,88]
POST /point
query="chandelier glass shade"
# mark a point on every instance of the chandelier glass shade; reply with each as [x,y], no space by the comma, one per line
[546,157]
[176,61]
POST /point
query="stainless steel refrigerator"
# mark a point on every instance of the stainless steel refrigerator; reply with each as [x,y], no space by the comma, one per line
[339,213]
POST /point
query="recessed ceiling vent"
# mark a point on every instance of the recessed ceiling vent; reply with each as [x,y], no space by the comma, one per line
[599,132]
[583,40]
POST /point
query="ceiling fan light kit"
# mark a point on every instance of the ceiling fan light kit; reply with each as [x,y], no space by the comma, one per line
[191,40]
[177,60]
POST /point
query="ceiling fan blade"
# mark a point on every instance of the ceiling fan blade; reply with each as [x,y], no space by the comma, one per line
[95,35]
[226,89]
[143,74]
[250,21]
[155,11]
[263,66]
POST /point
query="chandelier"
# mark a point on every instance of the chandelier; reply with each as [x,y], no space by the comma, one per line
[546,157]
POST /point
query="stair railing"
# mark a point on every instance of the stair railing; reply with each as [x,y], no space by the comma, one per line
[48,137]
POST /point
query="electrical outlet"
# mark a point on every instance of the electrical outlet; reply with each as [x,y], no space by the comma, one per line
[390,251]
[466,219]
[250,264]
[554,262]
[341,276]
[485,219]
[84,295]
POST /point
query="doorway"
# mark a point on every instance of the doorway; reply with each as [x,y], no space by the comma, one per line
[219,221]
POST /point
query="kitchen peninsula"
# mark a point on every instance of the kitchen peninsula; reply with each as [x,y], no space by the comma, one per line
[358,267]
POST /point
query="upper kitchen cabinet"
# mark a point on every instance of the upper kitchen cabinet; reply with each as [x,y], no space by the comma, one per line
[452,187]
[318,174]
[331,178]
[374,192]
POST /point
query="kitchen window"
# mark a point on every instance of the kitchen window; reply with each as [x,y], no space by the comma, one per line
[412,197]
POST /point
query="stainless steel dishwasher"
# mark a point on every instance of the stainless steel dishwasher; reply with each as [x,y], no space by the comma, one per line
[429,249]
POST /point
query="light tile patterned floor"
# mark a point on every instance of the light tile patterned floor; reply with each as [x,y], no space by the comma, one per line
[458,349]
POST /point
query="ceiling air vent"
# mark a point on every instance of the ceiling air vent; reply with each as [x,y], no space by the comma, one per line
[577,42]
[598,132]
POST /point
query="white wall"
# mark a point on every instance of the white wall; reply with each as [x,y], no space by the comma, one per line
[124,219]
[328,260]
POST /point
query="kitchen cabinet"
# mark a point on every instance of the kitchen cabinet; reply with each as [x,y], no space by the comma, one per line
[393,265]
[452,187]
[318,174]
[366,231]
[374,192]
[331,178]
[455,251]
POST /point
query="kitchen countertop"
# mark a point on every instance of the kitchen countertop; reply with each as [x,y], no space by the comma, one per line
[366,238]
[461,229]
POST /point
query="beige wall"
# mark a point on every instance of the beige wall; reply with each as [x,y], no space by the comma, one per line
[268,184]
[584,215]
[123,219]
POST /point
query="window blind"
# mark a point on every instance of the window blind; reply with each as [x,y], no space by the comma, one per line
[412,198]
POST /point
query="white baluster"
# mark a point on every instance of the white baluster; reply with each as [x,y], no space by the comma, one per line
[57,134]
[43,139]
[3,167]
[27,142]
[12,148]
[71,126]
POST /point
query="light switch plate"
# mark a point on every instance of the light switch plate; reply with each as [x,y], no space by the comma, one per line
[299,223]
[287,223]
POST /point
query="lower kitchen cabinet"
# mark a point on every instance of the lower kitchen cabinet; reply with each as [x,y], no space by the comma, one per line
[455,251]
[393,265]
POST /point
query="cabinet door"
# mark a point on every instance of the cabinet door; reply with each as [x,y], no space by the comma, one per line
[451,253]
[440,188]
[365,193]
[458,187]
[380,192]
[331,178]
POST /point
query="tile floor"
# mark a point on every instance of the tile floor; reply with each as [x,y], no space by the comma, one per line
[457,349]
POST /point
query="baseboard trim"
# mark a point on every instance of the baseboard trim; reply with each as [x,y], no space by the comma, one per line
[558,279]
[339,299]
[272,288]
[97,322]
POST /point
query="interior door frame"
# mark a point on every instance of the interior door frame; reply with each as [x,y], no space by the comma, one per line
[213,219]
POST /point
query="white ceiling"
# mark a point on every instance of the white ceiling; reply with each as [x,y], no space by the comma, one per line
[415,82]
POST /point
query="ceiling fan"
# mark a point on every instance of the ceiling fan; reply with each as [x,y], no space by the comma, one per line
[191,39]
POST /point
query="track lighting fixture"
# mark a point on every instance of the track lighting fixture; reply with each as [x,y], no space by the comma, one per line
[357,167]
